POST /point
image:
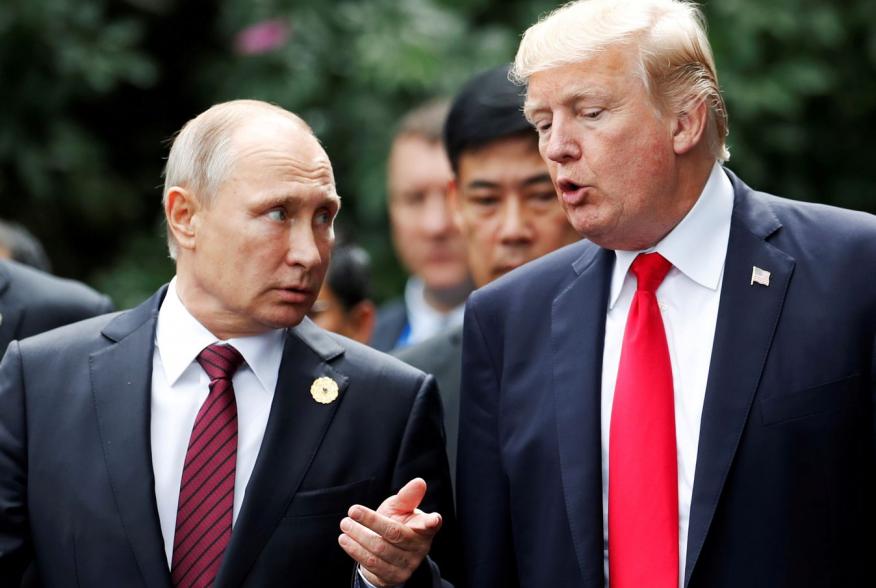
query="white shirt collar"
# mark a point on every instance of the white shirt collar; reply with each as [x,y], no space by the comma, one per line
[697,245]
[423,319]
[180,337]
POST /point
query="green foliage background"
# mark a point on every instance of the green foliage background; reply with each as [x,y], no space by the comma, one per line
[90,90]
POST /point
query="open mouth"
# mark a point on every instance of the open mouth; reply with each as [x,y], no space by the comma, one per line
[568,186]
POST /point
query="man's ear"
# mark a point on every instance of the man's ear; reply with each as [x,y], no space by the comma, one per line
[689,127]
[362,318]
[180,210]
[454,202]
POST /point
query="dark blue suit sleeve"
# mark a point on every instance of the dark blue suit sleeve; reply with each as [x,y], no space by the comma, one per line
[482,489]
[423,455]
[15,545]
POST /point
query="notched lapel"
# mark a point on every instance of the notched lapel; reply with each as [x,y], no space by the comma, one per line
[577,334]
[10,318]
[296,427]
[10,313]
[121,377]
[747,319]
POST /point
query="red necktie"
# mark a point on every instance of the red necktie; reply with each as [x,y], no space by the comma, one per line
[206,495]
[642,462]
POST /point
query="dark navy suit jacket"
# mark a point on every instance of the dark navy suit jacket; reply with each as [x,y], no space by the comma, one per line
[76,484]
[784,493]
[32,301]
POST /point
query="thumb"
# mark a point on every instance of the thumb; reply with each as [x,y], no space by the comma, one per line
[409,497]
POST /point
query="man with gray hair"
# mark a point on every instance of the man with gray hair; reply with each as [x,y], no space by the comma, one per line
[214,436]
[686,397]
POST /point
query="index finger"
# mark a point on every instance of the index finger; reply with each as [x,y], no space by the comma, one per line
[392,531]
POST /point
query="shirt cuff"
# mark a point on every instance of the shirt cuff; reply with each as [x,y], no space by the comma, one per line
[364,583]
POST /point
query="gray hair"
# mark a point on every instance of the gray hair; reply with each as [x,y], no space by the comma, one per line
[675,57]
[201,155]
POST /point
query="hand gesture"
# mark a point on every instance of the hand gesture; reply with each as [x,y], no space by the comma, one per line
[390,543]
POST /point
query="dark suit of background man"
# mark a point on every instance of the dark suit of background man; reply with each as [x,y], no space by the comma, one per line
[503,204]
[32,301]
[101,484]
[759,373]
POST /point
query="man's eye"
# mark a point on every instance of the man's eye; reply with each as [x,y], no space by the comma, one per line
[324,217]
[277,214]
[413,198]
[592,113]
[546,196]
[543,127]
[484,201]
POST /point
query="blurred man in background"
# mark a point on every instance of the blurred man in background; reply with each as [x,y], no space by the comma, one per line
[344,304]
[19,244]
[426,240]
[33,301]
[503,202]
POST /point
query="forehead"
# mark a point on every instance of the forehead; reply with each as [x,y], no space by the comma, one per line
[606,75]
[280,153]
[416,162]
[510,159]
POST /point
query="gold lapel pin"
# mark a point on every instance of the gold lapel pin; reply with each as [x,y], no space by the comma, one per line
[324,390]
[759,276]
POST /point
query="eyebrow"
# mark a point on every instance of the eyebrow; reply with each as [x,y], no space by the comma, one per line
[530,181]
[583,94]
[284,199]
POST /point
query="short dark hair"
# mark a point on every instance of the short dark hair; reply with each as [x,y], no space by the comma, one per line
[349,275]
[489,107]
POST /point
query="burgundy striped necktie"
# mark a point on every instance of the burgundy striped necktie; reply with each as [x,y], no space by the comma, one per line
[206,495]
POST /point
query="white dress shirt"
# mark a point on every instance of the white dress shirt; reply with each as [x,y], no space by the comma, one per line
[423,320]
[179,388]
[688,300]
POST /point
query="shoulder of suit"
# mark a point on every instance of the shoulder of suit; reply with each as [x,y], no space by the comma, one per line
[85,335]
[41,290]
[540,276]
[426,354]
[369,361]
[807,227]
[392,308]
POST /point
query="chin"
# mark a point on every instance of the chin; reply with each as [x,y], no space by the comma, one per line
[284,320]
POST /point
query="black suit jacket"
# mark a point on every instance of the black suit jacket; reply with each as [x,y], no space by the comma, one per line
[77,495]
[784,489]
[32,301]
[441,356]
[392,320]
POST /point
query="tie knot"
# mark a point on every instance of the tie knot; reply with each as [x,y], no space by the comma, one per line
[650,269]
[220,361]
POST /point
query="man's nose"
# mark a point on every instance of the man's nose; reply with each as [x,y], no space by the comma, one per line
[304,250]
[561,145]
[514,227]
[437,219]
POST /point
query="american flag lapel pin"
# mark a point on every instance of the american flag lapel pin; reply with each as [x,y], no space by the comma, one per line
[759,276]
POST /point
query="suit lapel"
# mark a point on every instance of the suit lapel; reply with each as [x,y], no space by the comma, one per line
[295,429]
[121,377]
[576,348]
[10,313]
[747,319]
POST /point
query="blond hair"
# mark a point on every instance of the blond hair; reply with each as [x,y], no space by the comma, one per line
[675,58]
[201,158]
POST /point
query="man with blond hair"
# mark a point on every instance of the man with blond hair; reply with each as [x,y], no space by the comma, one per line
[214,436]
[686,397]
